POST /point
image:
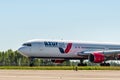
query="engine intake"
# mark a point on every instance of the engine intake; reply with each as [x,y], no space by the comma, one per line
[96,57]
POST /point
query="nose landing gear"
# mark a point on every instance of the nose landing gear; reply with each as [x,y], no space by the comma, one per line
[31,62]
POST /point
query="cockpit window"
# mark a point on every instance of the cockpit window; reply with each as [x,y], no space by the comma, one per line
[27,44]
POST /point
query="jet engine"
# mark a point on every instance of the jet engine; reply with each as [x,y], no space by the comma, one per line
[96,57]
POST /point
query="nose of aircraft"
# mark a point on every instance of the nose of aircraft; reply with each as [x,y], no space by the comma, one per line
[23,50]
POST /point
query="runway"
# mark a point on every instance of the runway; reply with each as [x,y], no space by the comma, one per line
[59,75]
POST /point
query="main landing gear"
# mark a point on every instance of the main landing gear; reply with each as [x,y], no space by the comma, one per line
[84,64]
[81,63]
[105,64]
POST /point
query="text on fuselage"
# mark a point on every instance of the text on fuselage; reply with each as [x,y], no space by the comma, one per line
[54,44]
[51,44]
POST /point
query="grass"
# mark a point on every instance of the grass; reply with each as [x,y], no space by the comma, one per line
[58,68]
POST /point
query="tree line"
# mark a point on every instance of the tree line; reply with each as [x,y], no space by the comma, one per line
[14,58]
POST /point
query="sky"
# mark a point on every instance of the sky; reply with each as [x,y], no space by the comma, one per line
[86,20]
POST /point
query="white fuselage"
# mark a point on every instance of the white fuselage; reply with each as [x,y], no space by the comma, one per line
[63,49]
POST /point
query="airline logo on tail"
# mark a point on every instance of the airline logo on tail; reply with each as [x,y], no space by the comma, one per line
[67,49]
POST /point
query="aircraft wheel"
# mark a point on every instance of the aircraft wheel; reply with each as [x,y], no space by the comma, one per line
[31,62]
[82,64]
[104,64]
[107,64]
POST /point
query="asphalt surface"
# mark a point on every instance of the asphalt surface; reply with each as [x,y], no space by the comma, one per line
[59,75]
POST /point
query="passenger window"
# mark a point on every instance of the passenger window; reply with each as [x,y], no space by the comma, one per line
[27,44]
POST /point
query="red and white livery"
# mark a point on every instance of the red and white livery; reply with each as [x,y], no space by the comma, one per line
[60,50]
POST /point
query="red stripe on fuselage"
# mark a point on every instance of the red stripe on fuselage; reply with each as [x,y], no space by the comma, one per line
[68,47]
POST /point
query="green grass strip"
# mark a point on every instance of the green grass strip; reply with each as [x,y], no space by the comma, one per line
[58,68]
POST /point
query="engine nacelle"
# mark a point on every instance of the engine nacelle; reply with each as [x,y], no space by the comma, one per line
[58,61]
[96,57]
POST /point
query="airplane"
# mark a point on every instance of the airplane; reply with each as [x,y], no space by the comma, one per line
[59,51]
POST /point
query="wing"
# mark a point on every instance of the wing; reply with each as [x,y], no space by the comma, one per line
[105,52]
[100,56]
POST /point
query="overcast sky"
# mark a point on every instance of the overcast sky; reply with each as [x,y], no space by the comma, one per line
[86,20]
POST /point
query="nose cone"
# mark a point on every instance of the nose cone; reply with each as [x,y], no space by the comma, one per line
[21,50]
[24,51]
